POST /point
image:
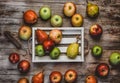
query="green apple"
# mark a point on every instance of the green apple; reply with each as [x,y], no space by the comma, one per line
[55,53]
[56,21]
[39,50]
[97,51]
[45,13]
[25,32]
[114,59]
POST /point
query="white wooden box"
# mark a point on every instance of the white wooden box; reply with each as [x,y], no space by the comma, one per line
[69,36]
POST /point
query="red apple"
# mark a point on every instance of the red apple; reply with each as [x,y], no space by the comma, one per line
[25,32]
[70,76]
[24,66]
[91,79]
[102,70]
[14,58]
[56,35]
[48,45]
[30,17]
[95,31]
[69,9]
[41,36]
[55,77]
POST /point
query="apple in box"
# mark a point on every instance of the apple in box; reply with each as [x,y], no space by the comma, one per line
[48,45]
[56,35]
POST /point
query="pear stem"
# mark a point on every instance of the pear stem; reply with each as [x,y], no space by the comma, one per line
[77,38]
[87,1]
[43,70]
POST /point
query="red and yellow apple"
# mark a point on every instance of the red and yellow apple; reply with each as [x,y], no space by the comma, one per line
[69,9]
[55,77]
[70,76]
[30,17]
[102,70]
[24,66]
[96,31]
[56,35]
[25,32]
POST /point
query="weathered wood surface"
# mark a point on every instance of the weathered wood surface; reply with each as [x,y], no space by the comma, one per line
[11,12]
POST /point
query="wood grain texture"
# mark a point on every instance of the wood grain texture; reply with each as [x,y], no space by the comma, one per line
[11,18]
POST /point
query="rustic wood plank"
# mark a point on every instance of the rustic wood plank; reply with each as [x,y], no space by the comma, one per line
[11,19]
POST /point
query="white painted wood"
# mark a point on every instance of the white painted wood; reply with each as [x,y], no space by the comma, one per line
[72,33]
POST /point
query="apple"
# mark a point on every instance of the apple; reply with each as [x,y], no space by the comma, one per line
[92,10]
[23,80]
[55,77]
[30,17]
[55,53]
[56,21]
[69,9]
[102,70]
[77,20]
[114,59]
[39,50]
[97,51]
[56,35]
[48,45]
[14,58]
[25,32]
[41,36]
[96,31]
[45,13]
[91,79]
[24,66]
[70,76]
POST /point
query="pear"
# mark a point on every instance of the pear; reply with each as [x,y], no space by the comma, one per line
[73,49]
[92,10]
[38,78]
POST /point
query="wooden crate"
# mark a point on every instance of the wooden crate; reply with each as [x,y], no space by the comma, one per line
[69,36]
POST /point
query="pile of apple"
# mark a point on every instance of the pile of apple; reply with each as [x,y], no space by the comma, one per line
[47,43]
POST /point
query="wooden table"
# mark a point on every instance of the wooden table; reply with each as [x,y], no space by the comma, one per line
[11,13]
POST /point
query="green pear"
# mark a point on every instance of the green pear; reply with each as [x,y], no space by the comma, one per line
[73,50]
[92,10]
